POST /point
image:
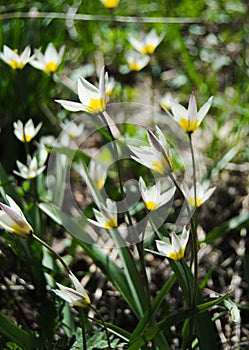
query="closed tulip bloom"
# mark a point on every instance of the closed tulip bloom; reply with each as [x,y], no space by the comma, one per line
[147,43]
[157,155]
[174,249]
[13,220]
[93,99]
[15,60]
[76,297]
[50,60]
[27,132]
[190,119]
[153,198]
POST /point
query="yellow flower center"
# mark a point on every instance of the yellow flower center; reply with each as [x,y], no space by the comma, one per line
[21,231]
[83,302]
[189,126]
[100,183]
[165,105]
[16,65]
[50,67]
[162,166]
[191,201]
[148,49]
[150,205]
[135,66]
[177,255]
[110,4]
[111,223]
[96,105]
[26,138]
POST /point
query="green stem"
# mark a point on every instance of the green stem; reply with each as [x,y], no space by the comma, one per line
[38,239]
[194,233]
[115,150]
[82,322]
[104,325]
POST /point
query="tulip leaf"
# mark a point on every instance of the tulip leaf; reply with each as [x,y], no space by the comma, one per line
[17,335]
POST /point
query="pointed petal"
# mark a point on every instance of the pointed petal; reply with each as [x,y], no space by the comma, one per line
[178,110]
[71,106]
[205,108]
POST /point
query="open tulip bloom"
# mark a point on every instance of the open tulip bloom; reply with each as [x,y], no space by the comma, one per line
[190,119]
[136,61]
[27,132]
[157,155]
[201,195]
[93,100]
[13,220]
[76,297]
[15,60]
[174,249]
[106,216]
[110,4]
[153,198]
[50,61]
[148,43]
[33,168]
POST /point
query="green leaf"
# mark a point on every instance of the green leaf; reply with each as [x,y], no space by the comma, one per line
[233,310]
[114,273]
[232,224]
[17,335]
[154,307]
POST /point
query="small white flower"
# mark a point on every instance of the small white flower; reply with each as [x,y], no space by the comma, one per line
[189,119]
[35,166]
[146,44]
[27,132]
[153,198]
[110,86]
[166,101]
[76,297]
[201,195]
[50,61]
[93,100]
[73,130]
[176,248]
[13,220]
[106,216]
[157,155]
[137,61]
[15,60]
[98,173]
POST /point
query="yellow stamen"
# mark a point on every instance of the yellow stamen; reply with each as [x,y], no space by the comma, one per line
[16,65]
[191,201]
[150,205]
[189,126]
[177,255]
[135,66]
[111,223]
[51,67]
[148,49]
[110,4]
[96,105]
